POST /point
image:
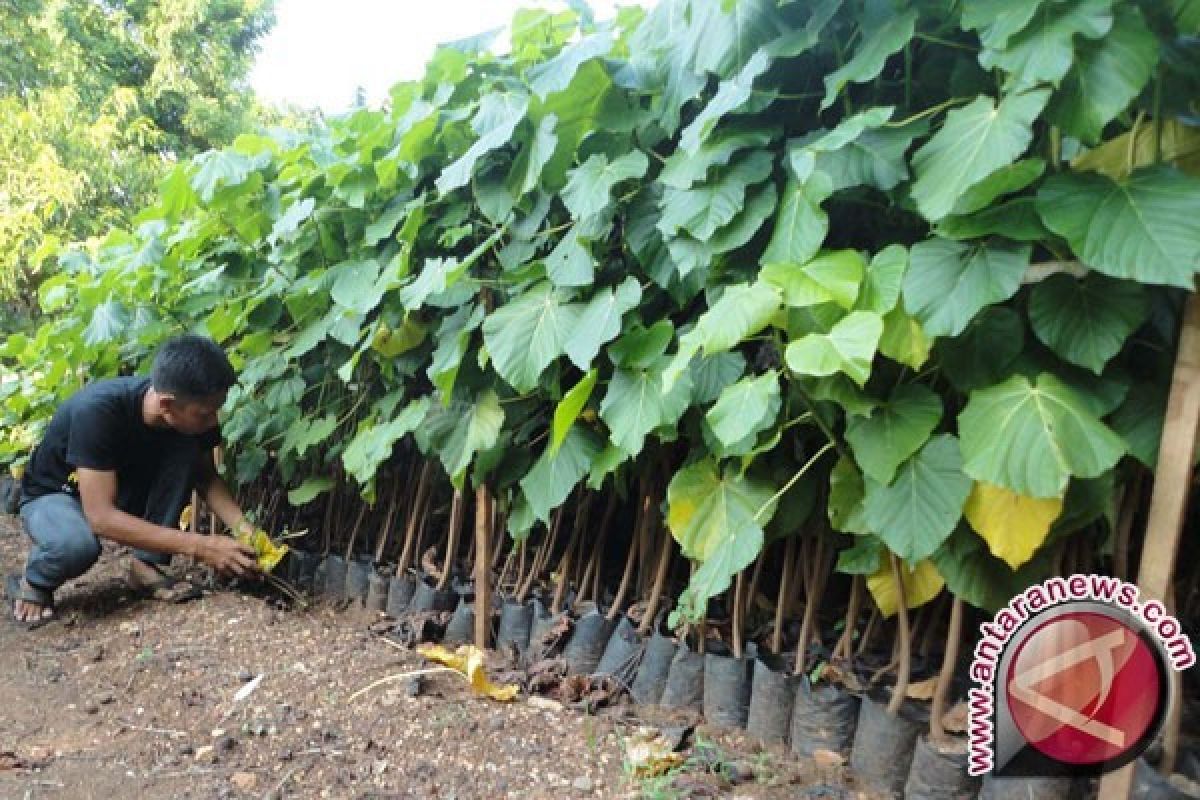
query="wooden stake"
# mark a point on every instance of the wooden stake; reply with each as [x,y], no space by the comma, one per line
[1168,501]
[483,585]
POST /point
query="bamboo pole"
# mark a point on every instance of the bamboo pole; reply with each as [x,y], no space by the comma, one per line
[1168,500]
[483,585]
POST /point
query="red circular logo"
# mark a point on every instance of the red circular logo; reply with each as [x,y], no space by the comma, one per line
[1084,688]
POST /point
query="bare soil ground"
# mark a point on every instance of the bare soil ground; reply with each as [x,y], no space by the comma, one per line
[123,697]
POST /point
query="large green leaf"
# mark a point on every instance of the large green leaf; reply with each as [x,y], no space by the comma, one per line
[725,36]
[600,322]
[975,141]
[894,431]
[1042,52]
[705,208]
[998,20]
[589,186]
[1107,76]
[919,511]
[731,95]
[554,475]
[682,168]
[524,336]
[706,507]
[742,311]
[1086,321]
[1139,421]
[983,354]
[834,276]
[846,494]
[452,339]
[849,348]
[1033,438]
[878,43]
[356,285]
[498,116]
[555,74]
[801,224]
[883,280]
[309,490]
[904,340]
[1144,228]
[949,282]
[476,427]
[743,411]
[372,444]
[979,578]
[636,403]
[109,322]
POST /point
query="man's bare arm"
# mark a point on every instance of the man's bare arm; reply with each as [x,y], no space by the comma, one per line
[216,493]
[98,494]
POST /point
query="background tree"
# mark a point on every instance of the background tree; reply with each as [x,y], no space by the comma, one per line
[97,101]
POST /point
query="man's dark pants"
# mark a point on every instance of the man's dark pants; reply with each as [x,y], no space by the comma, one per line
[64,546]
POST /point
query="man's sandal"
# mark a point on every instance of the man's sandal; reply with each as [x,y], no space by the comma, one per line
[16,588]
[167,588]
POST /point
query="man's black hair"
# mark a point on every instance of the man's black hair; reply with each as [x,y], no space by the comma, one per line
[191,367]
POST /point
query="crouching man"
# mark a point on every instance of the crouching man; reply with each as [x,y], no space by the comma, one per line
[119,461]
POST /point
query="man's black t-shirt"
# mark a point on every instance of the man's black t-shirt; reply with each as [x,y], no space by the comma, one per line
[101,427]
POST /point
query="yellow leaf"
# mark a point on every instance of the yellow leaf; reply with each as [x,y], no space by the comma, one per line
[921,585]
[269,554]
[467,660]
[1180,146]
[17,471]
[1014,526]
[185,517]
[651,753]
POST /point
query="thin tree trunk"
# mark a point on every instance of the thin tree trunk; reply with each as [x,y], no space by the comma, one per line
[415,513]
[755,578]
[634,547]
[456,518]
[594,566]
[868,633]
[388,521]
[1129,509]
[785,574]
[736,622]
[660,580]
[843,647]
[810,607]
[901,687]
[941,689]
[565,565]
[362,512]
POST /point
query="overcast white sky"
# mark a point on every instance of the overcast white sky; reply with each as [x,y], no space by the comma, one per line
[320,51]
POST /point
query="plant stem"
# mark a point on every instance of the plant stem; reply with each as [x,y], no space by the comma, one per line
[568,558]
[752,592]
[414,517]
[942,688]
[660,579]
[736,622]
[868,632]
[792,481]
[815,589]
[627,575]
[593,593]
[901,687]
[785,574]
[358,521]
[388,521]
[456,519]
[843,647]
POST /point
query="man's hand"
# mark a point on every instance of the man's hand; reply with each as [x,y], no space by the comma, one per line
[226,555]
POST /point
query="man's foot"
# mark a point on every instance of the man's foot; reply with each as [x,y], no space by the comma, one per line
[153,581]
[32,607]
